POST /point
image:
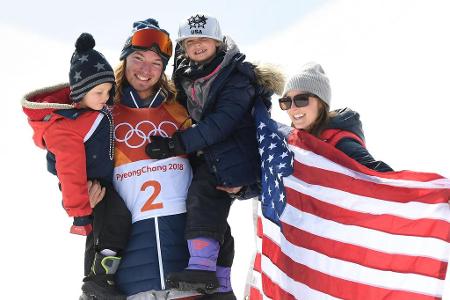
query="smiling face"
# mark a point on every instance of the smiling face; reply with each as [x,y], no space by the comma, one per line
[97,97]
[200,49]
[303,117]
[143,71]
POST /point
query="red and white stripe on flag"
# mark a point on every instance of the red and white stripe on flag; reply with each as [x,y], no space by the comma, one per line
[349,232]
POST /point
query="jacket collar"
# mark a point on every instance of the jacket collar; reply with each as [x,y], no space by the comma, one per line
[132,99]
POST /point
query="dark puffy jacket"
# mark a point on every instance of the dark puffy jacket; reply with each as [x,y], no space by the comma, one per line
[142,261]
[226,131]
[348,120]
[156,246]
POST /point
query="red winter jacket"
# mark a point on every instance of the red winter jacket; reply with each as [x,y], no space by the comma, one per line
[77,141]
[344,131]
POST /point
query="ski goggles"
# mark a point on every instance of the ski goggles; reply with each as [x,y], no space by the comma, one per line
[300,100]
[149,38]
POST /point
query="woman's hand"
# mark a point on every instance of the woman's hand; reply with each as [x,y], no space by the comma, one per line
[96,192]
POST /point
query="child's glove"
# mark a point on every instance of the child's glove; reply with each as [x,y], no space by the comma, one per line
[81,225]
[163,147]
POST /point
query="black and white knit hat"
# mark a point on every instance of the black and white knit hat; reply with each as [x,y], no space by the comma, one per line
[88,68]
[311,79]
[200,25]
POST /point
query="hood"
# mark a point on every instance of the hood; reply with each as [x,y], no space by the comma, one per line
[40,103]
[39,106]
[267,77]
[268,80]
[270,77]
[231,49]
[346,119]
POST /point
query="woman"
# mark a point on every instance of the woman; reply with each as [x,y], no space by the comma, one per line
[307,98]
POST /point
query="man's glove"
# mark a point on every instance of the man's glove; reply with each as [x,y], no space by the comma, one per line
[81,225]
[163,147]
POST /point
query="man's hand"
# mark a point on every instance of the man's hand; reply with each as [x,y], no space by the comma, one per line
[96,192]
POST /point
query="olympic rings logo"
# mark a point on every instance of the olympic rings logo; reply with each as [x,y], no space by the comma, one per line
[136,137]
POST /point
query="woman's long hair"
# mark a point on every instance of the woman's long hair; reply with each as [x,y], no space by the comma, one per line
[163,83]
[323,117]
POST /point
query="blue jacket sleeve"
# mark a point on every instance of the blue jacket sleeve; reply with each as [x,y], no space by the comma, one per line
[231,104]
[356,151]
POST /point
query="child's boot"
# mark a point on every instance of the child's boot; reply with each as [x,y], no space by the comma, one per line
[225,291]
[99,284]
[200,275]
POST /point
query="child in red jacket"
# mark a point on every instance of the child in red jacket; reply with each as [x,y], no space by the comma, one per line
[74,124]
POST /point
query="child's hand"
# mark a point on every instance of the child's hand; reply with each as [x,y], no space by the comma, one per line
[96,192]
[242,192]
[81,225]
[230,190]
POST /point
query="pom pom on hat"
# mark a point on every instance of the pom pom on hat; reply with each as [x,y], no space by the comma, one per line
[149,21]
[84,42]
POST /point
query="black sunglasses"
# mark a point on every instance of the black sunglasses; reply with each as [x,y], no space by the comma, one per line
[300,100]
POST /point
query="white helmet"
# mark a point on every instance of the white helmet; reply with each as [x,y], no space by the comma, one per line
[200,25]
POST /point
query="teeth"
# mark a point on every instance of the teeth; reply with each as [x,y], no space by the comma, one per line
[199,52]
[299,116]
[140,77]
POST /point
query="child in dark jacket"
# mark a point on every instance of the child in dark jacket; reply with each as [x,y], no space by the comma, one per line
[75,126]
[215,84]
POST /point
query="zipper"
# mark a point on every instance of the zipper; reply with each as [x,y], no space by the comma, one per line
[158,248]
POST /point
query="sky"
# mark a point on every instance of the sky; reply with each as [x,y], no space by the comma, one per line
[388,60]
[110,21]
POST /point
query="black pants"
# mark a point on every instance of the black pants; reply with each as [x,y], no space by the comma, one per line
[111,226]
[207,212]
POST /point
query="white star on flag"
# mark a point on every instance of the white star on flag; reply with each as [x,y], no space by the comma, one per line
[276,163]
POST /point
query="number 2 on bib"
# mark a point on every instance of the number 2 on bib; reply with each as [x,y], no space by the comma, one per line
[149,205]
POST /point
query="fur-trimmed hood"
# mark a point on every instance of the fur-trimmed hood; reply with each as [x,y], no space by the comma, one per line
[40,105]
[270,77]
[267,79]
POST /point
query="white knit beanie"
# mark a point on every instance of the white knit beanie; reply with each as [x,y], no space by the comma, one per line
[311,79]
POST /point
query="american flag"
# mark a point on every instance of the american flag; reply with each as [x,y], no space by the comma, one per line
[276,163]
[348,232]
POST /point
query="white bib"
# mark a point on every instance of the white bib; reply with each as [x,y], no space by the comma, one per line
[154,188]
